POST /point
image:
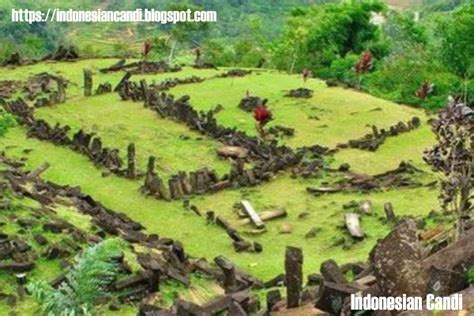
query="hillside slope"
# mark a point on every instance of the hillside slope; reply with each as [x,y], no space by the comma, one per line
[330,117]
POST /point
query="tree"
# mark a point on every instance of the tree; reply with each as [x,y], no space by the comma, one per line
[218,53]
[401,32]
[457,43]
[316,36]
[160,47]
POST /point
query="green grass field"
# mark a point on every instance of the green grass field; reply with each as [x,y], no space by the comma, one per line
[343,115]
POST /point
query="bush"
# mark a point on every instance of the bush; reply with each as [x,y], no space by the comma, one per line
[341,69]
[218,53]
[416,67]
[7,48]
[122,50]
[247,53]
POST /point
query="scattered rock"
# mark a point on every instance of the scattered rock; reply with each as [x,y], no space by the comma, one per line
[312,233]
[285,229]
[280,131]
[344,167]
[250,103]
[397,262]
[300,93]
[331,272]
[17,266]
[353,225]
[365,207]
[235,73]
[233,152]
[303,215]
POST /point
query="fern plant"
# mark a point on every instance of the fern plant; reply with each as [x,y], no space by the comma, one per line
[85,284]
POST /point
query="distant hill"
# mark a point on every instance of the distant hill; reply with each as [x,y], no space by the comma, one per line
[235,19]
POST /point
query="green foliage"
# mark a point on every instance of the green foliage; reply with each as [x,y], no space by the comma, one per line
[88,51]
[401,32]
[246,54]
[160,47]
[249,50]
[470,275]
[456,48]
[6,121]
[457,45]
[341,69]
[85,282]
[122,50]
[218,53]
[329,39]
[7,48]
[400,76]
[31,39]
[317,36]
[443,5]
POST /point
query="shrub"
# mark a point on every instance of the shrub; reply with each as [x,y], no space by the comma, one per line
[218,53]
[416,67]
[341,69]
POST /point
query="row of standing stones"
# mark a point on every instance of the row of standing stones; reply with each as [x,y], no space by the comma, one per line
[62,53]
[181,185]
[333,291]
[266,158]
[204,180]
[160,258]
[372,141]
[398,265]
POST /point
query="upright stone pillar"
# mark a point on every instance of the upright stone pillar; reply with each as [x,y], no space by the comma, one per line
[87,83]
[61,90]
[131,168]
[294,276]
[228,269]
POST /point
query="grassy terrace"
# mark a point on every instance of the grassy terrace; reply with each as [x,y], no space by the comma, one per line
[172,220]
[120,123]
[331,116]
[200,291]
[408,147]
[345,113]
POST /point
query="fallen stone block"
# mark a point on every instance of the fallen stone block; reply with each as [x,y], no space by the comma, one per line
[17,266]
[353,225]
[397,263]
[331,297]
[331,272]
